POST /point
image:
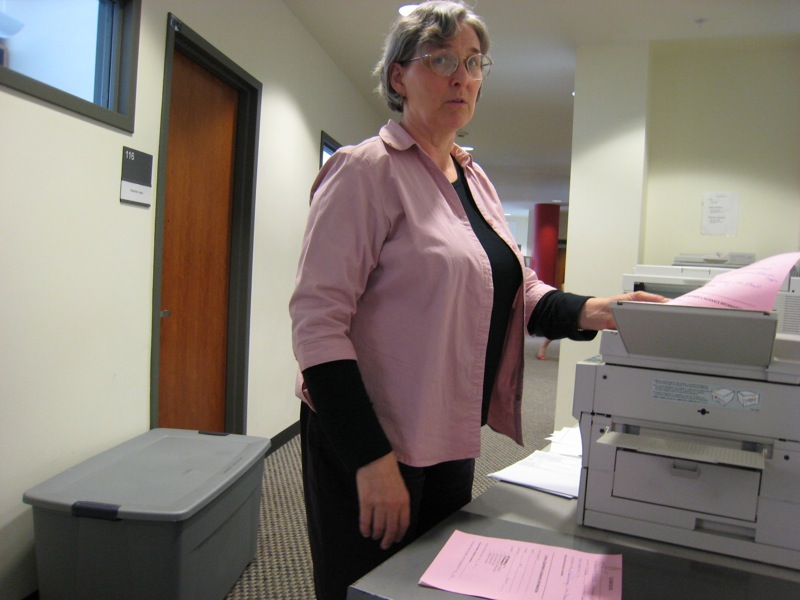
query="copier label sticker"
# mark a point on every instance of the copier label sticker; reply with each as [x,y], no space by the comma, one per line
[706,395]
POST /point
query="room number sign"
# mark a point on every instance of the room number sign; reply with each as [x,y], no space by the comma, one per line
[137,177]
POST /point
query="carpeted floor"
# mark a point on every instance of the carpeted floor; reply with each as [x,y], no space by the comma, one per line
[282,567]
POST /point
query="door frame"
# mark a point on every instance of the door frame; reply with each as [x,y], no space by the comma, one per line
[192,45]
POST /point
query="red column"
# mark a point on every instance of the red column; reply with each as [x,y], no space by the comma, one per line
[545,241]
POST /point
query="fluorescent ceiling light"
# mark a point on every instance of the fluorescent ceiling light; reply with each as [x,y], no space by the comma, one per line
[407,9]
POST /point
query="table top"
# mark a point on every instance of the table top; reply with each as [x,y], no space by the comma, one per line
[651,570]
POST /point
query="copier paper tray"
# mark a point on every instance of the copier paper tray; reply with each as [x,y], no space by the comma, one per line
[684,449]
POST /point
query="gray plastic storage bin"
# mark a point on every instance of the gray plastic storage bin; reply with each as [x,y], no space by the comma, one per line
[170,514]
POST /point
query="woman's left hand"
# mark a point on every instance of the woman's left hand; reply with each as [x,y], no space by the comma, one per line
[596,312]
[383,501]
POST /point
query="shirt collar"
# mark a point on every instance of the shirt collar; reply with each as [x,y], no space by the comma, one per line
[393,134]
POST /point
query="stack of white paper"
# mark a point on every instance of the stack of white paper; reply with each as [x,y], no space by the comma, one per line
[556,471]
[567,441]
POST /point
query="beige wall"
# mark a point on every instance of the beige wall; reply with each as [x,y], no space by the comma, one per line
[78,266]
[721,116]
[724,117]
[606,182]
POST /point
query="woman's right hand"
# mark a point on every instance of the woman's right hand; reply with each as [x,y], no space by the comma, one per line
[384,504]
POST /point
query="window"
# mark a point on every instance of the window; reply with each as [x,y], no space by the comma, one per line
[327,146]
[77,54]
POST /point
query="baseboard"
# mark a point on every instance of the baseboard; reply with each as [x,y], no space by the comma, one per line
[283,437]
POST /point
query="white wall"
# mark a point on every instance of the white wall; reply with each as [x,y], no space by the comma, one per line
[721,116]
[519,225]
[78,266]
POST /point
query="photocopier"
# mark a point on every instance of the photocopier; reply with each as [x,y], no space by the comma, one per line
[690,424]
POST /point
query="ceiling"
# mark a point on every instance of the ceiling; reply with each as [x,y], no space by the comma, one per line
[522,129]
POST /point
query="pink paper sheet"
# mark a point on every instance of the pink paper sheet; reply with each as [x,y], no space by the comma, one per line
[753,287]
[501,569]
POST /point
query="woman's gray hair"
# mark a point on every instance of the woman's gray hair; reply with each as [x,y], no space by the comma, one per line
[433,22]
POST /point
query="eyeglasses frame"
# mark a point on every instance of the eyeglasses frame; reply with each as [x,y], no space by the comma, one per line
[426,59]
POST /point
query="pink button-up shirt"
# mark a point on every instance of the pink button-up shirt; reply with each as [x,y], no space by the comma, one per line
[392,275]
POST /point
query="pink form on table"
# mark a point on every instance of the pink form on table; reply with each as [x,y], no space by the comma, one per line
[753,287]
[502,569]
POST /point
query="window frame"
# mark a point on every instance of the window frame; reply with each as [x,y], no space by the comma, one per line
[115,79]
[326,142]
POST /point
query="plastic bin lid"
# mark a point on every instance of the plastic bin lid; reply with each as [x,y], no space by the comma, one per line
[161,475]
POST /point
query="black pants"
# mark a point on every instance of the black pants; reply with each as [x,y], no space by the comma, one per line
[339,552]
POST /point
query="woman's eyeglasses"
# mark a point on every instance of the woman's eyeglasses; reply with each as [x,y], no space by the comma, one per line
[445,63]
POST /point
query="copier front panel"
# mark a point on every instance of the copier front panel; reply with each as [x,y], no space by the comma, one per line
[720,406]
[705,457]
[697,460]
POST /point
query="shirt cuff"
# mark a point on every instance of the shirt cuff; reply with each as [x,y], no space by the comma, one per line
[556,316]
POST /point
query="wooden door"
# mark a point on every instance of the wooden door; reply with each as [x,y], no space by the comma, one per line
[196,249]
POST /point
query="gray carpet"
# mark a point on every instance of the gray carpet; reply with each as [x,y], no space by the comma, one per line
[282,567]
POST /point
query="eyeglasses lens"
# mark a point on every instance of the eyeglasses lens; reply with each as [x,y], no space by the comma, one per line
[446,63]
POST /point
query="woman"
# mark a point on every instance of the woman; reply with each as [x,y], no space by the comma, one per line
[541,353]
[410,309]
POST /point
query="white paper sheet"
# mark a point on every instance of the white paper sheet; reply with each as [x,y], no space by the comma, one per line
[550,472]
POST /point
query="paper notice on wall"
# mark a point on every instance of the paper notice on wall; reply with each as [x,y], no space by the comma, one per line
[720,214]
[753,287]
